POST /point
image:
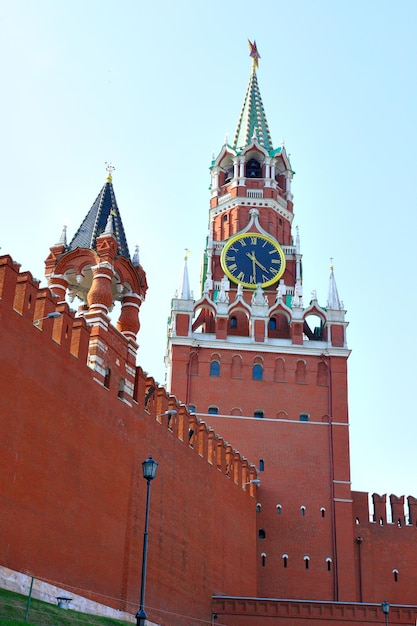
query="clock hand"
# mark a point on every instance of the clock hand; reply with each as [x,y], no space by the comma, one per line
[259,264]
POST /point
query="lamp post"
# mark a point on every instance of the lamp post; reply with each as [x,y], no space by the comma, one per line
[385,610]
[149,468]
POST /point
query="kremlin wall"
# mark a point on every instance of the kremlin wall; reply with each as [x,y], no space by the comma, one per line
[252,516]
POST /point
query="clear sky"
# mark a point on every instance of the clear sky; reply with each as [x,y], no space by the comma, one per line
[154,87]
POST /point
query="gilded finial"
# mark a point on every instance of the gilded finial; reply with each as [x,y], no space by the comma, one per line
[331,263]
[110,169]
[187,253]
[254,54]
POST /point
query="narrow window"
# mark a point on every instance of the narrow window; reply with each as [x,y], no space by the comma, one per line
[261,533]
[272,323]
[303,510]
[263,557]
[191,408]
[329,564]
[121,392]
[261,465]
[307,561]
[107,378]
[215,368]
[323,511]
[304,417]
[357,520]
[257,372]
[395,572]
[258,414]
[258,507]
[233,322]
[278,507]
[285,560]
[190,436]
[213,410]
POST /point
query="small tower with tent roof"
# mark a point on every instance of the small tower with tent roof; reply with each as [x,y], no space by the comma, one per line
[96,270]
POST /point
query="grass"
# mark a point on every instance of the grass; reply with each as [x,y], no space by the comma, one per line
[13,611]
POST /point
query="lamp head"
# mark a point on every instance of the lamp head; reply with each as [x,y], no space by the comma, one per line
[149,468]
[385,607]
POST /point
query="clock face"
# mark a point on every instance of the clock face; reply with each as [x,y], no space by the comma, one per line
[251,259]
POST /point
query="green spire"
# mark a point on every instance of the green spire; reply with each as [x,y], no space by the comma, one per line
[252,120]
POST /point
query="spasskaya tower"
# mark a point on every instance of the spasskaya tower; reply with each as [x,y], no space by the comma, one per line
[267,371]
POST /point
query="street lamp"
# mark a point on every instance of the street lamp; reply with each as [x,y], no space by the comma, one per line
[149,468]
[385,610]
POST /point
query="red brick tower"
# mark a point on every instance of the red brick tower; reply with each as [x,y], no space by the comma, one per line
[96,269]
[247,357]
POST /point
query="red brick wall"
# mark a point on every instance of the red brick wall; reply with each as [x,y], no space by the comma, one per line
[299,466]
[72,494]
[384,547]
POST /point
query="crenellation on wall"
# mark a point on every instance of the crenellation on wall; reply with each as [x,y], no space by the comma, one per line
[396,511]
[26,293]
[412,510]
[36,303]
[80,338]
[9,271]
[193,432]
[44,306]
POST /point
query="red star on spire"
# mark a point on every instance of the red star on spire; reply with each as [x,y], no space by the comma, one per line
[254,53]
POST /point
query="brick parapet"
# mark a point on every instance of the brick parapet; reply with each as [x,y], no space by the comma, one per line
[254,611]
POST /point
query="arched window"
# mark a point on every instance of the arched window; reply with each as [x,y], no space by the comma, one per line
[300,372]
[322,373]
[279,373]
[278,507]
[303,510]
[258,414]
[272,324]
[329,564]
[215,368]
[237,366]
[193,364]
[263,559]
[258,507]
[304,417]
[323,511]
[213,410]
[233,322]
[261,533]
[307,561]
[261,465]
[191,408]
[253,169]
[257,372]
[285,560]
[395,572]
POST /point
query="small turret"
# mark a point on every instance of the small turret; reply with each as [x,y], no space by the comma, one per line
[95,267]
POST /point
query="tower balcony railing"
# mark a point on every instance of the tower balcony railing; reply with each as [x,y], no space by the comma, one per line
[254,193]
